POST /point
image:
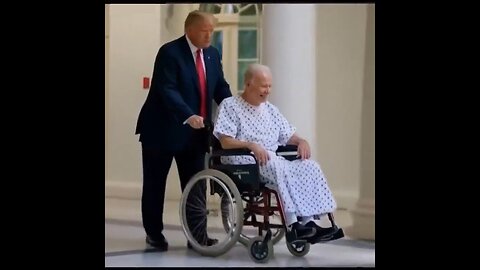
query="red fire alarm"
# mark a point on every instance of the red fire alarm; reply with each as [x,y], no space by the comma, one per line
[146,82]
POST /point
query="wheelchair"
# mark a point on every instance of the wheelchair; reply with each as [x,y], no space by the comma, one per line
[240,200]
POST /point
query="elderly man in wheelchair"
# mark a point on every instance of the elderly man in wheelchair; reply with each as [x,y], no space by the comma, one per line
[258,168]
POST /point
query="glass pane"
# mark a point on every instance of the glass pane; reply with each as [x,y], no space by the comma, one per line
[235,8]
[247,43]
[249,11]
[217,41]
[210,8]
[242,67]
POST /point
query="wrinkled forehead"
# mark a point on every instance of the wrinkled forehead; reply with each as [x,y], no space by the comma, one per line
[262,76]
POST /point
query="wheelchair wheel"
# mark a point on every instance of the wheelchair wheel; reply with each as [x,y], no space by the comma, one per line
[298,248]
[248,234]
[192,205]
[259,252]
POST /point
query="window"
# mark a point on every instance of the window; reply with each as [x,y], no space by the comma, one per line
[249,36]
[247,51]
[217,41]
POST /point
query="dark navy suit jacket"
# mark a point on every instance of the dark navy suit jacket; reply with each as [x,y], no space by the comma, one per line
[174,95]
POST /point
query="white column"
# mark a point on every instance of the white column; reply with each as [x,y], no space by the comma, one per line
[363,215]
[287,31]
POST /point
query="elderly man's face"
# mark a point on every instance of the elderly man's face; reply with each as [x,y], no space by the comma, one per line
[260,87]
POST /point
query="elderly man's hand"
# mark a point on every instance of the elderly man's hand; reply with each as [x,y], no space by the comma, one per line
[303,149]
[260,153]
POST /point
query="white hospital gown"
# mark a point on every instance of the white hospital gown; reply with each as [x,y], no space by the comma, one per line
[302,185]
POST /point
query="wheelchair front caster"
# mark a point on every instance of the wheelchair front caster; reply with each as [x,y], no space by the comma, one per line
[298,248]
[260,251]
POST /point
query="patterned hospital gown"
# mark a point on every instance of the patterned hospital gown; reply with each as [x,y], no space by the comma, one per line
[302,185]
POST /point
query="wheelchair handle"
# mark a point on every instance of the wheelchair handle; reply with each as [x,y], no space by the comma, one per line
[209,130]
[208,124]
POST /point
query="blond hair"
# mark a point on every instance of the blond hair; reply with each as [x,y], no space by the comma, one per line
[197,16]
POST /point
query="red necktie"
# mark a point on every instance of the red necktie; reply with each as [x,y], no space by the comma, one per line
[203,85]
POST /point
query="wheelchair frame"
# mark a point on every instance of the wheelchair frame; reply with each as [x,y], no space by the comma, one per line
[243,184]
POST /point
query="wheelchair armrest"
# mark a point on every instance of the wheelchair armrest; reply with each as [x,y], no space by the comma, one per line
[288,151]
[287,148]
[232,152]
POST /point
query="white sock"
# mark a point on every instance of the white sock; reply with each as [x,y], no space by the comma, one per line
[290,218]
[305,220]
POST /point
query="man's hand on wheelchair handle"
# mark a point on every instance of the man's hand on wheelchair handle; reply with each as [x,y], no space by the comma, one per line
[196,122]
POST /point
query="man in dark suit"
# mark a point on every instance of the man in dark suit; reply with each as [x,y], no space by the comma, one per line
[187,75]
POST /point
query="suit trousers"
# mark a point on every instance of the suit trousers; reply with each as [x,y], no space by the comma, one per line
[156,165]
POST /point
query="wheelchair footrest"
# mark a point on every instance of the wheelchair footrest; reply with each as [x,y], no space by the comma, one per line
[338,234]
[292,237]
[334,236]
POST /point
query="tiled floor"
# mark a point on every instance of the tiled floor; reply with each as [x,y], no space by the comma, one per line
[125,244]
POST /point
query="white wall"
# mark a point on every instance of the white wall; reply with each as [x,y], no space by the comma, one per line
[367,172]
[136,32]
[340,47]
[107,77]
[134,40]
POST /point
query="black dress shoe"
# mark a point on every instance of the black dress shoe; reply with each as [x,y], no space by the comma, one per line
[210,242]
[300,232]
[323,234]
[161,244]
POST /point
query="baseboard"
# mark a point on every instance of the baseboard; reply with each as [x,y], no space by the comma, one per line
[133,191]
[363,217]
[345,200]
[123,190]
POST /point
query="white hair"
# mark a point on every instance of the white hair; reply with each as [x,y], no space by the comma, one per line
[252,69]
